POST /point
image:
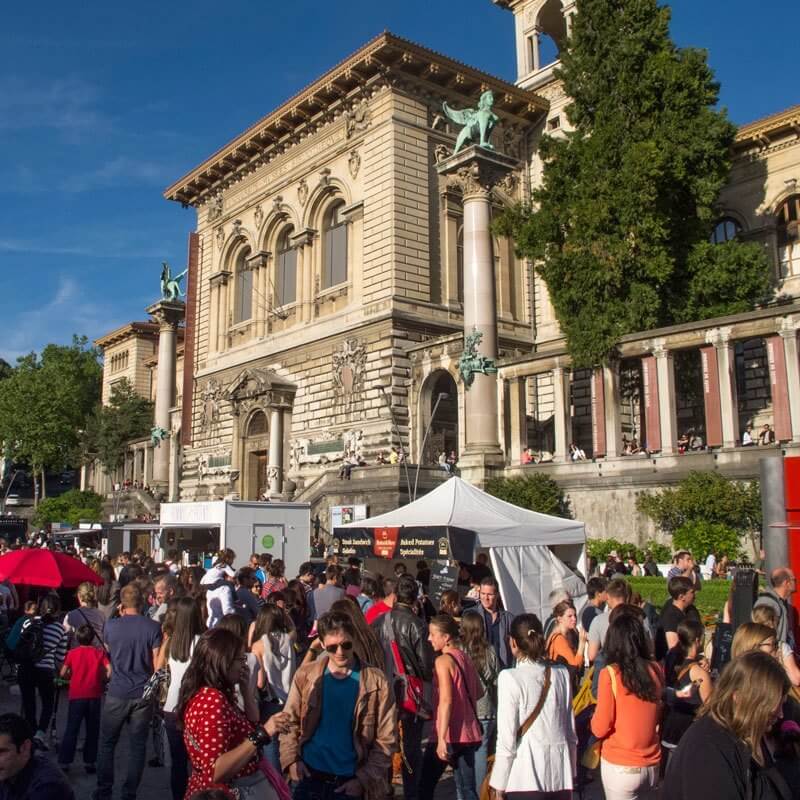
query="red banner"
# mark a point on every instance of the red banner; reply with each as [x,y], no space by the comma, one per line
[711,397]
[652,418]
[779,386]
[385,543]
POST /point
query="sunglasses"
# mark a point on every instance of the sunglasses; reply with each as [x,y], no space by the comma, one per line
[332,648]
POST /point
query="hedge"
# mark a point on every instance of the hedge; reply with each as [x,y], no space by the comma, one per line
[710,600]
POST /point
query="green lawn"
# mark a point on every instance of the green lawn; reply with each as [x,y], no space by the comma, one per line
[709,601]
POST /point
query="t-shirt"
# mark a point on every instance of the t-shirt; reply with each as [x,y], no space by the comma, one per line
[377,610]
[131,640]
[330,748]
[671,617]
[325,597]
[87,667]
[588,614]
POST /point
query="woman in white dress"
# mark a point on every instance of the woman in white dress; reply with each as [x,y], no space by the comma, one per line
[536,753]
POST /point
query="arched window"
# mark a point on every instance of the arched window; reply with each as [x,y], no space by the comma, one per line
[334,247]
[789,236]
[285,269]
[725,230]
[546,40]
[243,289]
[258,424]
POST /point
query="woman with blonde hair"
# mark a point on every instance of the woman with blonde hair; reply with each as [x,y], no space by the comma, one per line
[751,636]
[723,753]
[87,613]
[765,615]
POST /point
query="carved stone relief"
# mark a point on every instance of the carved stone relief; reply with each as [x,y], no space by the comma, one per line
[215,205]
[354,163]
[327,448]
[349,365]
[356,119]
[259,216]
[302,191]
[211,394]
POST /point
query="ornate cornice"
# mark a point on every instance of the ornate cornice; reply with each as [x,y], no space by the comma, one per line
[476,171]
[764,131]
[343,92]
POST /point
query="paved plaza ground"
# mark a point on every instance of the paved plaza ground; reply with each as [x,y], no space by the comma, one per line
[155,781]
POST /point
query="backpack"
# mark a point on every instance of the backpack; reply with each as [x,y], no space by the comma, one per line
[29,647]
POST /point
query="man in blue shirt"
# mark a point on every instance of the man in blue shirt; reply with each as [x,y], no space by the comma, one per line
[132,641]
[496,621]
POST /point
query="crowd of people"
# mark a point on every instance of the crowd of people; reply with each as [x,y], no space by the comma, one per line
[343,683]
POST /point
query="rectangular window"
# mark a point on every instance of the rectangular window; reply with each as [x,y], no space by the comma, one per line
[335,256]
[286,277]
[243,299]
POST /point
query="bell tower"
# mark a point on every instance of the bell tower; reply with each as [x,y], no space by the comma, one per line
[541,27]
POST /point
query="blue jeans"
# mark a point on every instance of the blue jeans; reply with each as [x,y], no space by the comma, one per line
[80,710]
[271,751]
[117,713]
[179,758]
[485,750]
[463,763]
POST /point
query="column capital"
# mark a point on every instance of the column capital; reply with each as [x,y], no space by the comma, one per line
[719,337]
[476,171]
[167,313]
[658,347]
[789,327]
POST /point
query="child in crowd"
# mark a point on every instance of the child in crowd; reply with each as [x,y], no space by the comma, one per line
[87,667]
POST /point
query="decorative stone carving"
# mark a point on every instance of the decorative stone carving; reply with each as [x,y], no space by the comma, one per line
[215,205]
[476,171]
[258,388]
[471,362]
[327,448]
[302,191]
[216,466]
[210,395]
[324,177]
[220,237]
[356,119]
[277,206]
[354,163]
[258,216]
[237,228]
[349,366]
[508,184]
[440,152]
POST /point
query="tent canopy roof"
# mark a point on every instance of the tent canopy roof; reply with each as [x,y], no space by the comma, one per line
[459,504]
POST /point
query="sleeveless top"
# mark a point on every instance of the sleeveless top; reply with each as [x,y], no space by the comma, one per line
[279,664]
[464,727]
[680,711]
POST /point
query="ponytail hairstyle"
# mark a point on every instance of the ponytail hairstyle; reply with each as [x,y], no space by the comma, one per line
[689,632]
[447,625]
[526,631]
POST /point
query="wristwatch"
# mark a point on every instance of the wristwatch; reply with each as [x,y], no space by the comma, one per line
[258,738]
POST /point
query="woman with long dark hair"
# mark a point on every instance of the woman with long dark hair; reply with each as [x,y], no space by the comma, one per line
[723,754]
[485,661]
[183,626]
[224,744]
[107,594]
[457,730]
[628,711]
[536,741]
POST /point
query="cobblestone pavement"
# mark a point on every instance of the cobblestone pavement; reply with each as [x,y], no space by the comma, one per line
[155,781]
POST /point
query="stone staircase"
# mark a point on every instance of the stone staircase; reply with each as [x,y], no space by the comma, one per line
[132,503]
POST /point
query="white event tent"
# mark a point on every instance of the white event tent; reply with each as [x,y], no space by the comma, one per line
[529,551]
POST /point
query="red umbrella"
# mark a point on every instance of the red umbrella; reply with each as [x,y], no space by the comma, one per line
[39,567]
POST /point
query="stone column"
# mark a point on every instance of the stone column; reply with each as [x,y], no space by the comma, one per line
[136,475]
[301,305]
[790,350]
[517,406]
[258,263]
[613,419]
[562,428]
[305,284]
[219,316]
[476,171]
[667,412]
[275,466]
[729,406]
[147,478]
[168,314]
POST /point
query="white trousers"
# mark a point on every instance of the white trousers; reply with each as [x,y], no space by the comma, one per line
[629,783]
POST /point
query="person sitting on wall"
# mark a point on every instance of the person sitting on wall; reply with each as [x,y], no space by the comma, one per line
[683,443]
[452,460]
[767,436]
[747,437]
[576,453]
[381,459]
[696,442]
[635,449]
[442,461]
[393,458]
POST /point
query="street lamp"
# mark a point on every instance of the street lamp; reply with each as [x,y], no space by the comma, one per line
[399,438]
[441,396]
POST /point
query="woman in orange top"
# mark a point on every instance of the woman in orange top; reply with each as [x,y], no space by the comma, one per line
[559,645]
[628,711]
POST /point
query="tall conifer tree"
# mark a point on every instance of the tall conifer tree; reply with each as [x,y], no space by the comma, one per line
[619,228]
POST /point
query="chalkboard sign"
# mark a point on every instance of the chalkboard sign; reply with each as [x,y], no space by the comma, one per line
[443,577]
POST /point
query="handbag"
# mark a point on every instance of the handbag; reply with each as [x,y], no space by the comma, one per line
[157,686]
[409,689]
[486,791]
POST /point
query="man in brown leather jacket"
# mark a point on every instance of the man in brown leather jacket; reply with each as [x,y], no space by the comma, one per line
[343,722]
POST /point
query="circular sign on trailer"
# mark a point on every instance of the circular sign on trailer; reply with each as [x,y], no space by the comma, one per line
[268,541]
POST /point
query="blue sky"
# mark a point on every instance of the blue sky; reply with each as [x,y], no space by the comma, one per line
[102,105]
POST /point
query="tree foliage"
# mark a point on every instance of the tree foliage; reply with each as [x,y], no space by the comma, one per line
[619,227]
[127,417]
[5,369]
[701,537]
[72,507]
[536,492]
[45,402]
[706,497]
[601,548]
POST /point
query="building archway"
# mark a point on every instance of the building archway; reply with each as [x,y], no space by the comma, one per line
[256,456]
[443,436]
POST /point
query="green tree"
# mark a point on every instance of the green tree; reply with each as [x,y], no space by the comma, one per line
[127,416]
[45,402]
[536,492]
[705,497]
[72,507]
[619,227]
[5,369]
[702,537]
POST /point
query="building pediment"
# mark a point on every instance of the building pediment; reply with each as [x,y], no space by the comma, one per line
[262,387]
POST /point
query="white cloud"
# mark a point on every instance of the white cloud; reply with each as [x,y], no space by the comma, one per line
[101,249]
[68,311]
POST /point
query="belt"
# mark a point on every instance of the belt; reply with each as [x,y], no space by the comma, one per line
[327,777]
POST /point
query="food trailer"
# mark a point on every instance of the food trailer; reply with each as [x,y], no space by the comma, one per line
[198,530]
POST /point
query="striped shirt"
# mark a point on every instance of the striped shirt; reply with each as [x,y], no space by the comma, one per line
[54,638]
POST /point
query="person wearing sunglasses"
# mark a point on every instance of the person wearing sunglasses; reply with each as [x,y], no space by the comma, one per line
[342,722]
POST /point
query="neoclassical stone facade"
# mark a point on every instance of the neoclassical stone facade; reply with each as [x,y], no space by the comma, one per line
[326,304]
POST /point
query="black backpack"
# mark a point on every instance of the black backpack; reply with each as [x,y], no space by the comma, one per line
[30,644]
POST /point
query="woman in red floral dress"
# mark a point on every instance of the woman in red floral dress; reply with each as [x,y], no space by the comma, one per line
[224,743]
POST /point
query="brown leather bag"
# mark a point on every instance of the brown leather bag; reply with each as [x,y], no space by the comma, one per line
[486,791]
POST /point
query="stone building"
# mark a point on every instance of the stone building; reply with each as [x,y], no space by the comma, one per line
[332,279]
